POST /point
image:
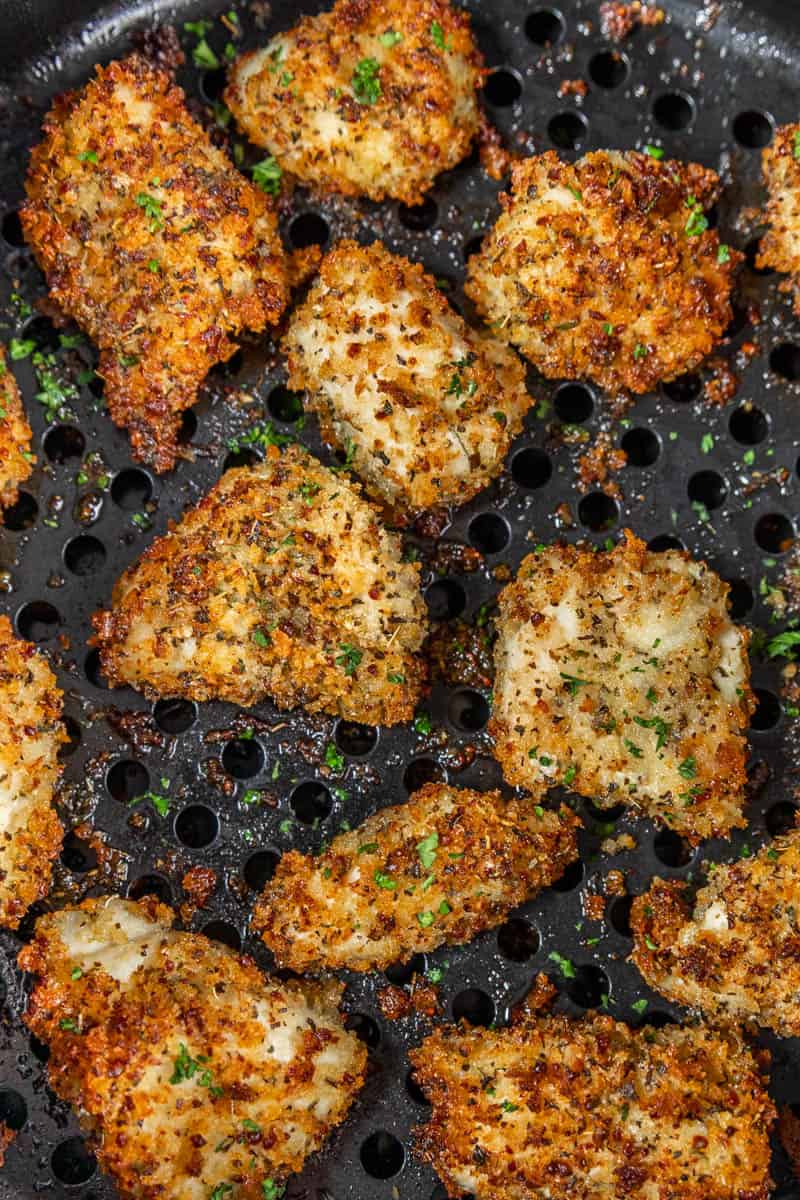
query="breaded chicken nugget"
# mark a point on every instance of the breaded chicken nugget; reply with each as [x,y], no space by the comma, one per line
[194,1074]
[374,98]
[606,268]
[426,406]
[30,735]
[281,583]
[16,459]
[735,951]
[439,869]
[621,675]
[559,1109]
[153,242]
[780,246]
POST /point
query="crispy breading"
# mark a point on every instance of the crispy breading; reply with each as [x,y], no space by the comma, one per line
[733,951]
[780,245]
[604,268]
[427,406]
[153,242]
[281,583]
[16,459]
[621,675]
[582,1109]
[437,870]
[373,98]
[30,735]
[194,1074]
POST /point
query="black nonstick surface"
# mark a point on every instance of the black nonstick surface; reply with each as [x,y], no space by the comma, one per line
[707,85]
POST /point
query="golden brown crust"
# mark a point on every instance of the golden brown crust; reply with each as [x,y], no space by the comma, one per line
[621,675]
[428,405]
[780,246]
[575,1110]
[30,735]
[735,952]
[603,268]
[437,870]
[281,583]
[16,459]
[153,242]
[414,114]
[190,1069]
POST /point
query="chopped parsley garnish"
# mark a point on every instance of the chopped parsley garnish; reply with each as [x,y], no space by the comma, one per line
[68,1024]
[251,796]
[723,254]
[639,351]
[151,207]
[395,677]
[267,176]
[654,151]
[20,348]
[261,638]
[204,56]
[368,848]
[185,1067]
[426,918]
[439,40]
[390,38]
[707,443]
[349,658]
[570,774]
[263,433]
[365,82]
[333,758]
[422,724]
[220,1191]
[444,909]
[308,489]
[632,749]
[349,455]
[272,1190]
[662,729]
[796,147]
[784,645]
[427,850]
[639,1006]
[697,221]
[564,965]
[573,682]
[385,881]
[75,973]
[88,156]
[507,1106]
[688,768]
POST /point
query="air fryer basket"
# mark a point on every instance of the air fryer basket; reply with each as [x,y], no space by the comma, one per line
[709,84]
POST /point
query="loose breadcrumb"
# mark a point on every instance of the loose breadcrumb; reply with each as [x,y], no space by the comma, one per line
[558,1108]
[16,459]
[153,242]
[373,98]
[437,870]
[606,269]
[194,1075]
[281,583]
[30,735]
[426,406]
[733,952]
[621,675]
[780,246]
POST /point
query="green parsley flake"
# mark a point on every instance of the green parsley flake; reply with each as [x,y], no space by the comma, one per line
[573,682]
[385,881]
[333,758]
[349,658]
[267,176]
[151,208]
[564,965]
[426,918]
[439,40]
[697,221]
[427,850]
[688,768]
[390,38]
[365,82]
[654,151]
[723,254]
[89,156]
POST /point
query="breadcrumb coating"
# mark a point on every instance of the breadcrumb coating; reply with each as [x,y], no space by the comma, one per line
[153,242]
[281,583]
[30,735]
[426,406]
[194,1075]
[437,870]
[555,1108]
[780,246]
[16,459]
[606,269]
[733,952]
[621,676]
[373,98]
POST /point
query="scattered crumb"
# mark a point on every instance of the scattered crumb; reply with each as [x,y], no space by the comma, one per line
[573,87]
[600,461]
[722,385]
[540,997]
[615,883]
[198,884]
[419,997]
[618,845]
[495,159]
[460,654]
[161,45]
[594,906]
[618,21]
[454,558]
[7,1136]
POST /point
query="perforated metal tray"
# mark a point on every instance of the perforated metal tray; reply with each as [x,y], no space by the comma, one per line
[706,89]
